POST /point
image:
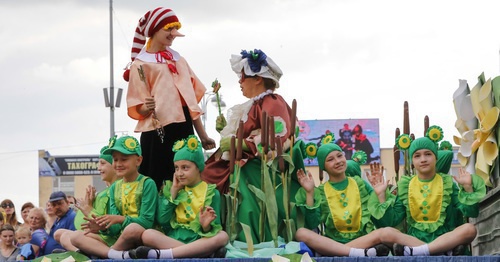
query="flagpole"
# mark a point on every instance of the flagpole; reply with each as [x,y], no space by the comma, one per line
[111,79]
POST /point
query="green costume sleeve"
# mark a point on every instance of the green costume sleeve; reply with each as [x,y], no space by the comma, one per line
[113,230]
[477,195]
[101,203]
[147,208]
[166,207]
[100,207]
[468,202]
[311,214]
[213,200]
[368,186]
[387,214]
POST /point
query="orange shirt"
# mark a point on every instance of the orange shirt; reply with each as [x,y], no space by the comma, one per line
[171,91]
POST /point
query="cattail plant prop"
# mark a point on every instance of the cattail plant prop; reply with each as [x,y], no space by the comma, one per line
[215,89]
[156,122]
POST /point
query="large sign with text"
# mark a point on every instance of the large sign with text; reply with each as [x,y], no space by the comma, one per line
[67,165]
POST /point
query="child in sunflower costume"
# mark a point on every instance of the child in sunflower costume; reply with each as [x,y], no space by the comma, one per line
[93,204]
[341,205]
[131,208]
[188,211]
[433,206]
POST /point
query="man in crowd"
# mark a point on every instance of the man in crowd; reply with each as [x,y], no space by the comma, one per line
[65,219]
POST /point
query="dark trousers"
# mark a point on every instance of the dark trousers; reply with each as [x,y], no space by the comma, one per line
[158,157]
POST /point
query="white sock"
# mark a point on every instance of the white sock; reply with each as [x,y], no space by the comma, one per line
[118,254]
[357,252]
[371,252]
[422,250]
[164,253]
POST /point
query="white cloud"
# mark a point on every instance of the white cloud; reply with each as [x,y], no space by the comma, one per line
[341,59]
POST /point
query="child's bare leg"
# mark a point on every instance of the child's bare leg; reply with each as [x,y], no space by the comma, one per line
[462,235]
[63,236]
[391,235]
[321,244]
[202,247]
[156,239]
[130,237]
[369,240]
[89,245]
[58,233]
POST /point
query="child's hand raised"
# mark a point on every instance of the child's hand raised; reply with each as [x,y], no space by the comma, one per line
[207,215]
[464,178]
[376,178]
[85,205]
[306,181]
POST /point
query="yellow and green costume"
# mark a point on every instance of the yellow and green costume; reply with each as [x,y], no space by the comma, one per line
[341,207]
[431,207]
[179,218]
[100,208]
[134,200]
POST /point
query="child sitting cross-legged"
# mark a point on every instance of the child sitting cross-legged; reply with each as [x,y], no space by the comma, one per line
[341,205]
[433,206]
[188,211]
[131,205]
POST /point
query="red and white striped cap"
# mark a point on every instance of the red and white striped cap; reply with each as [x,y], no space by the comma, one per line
[149,24]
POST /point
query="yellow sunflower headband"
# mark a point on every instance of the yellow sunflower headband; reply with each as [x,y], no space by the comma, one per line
[433,135]
[127,145]
[311,149]
[189,149]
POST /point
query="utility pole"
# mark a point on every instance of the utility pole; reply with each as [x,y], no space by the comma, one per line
[111,79]
[109,101]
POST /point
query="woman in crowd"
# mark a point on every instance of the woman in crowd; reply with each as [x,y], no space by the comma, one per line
[8,251]
[38,225]
[25,209]
[10,211]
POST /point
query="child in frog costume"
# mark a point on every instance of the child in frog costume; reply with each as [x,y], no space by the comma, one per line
[341,205]
[188,211]
[96,204]
[131,208]
[433,206]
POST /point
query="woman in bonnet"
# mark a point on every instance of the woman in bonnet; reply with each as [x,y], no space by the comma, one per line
[258,78]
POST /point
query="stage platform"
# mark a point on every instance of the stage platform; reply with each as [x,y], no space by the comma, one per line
[335,259]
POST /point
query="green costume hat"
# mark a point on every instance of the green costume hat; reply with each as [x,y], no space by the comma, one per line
[446,145]
[423,143]
[433,135]
[444,159]
[107,157]
[353,165]
[353,168]
[127,145]
[189,149]
[324,150]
